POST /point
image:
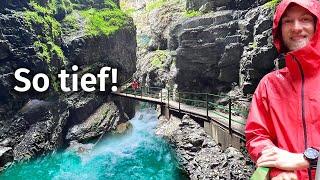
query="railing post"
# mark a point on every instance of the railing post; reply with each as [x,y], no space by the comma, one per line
[207,107]
[179,102]
[230,104]
[161,95]
[141,91]
[168,96]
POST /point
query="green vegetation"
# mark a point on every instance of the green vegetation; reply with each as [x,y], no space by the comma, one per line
[41,19]
[40,9]
[58,51]
[44,18]
[51,7]
[126,8]
[55,83]
[105,21]
[46,50]
[109,4]
[67,5]
[50,30]
[272,4]
[129,11]
[253,45]
[47,28]
[192,13]
[159,58]
[155,5]
[43,50]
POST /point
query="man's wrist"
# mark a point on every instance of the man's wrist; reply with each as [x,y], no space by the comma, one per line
[303,163]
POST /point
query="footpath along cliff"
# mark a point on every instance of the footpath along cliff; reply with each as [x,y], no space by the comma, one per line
[217,47]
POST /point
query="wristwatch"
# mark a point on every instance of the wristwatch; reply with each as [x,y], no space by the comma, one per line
[311,154]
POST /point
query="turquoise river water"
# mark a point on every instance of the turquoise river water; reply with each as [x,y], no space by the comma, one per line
[136,155]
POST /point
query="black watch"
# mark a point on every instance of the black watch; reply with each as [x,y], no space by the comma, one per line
[311,154]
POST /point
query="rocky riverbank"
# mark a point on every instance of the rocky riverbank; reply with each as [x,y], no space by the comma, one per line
[199,155]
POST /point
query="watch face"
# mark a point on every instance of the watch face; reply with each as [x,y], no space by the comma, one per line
[311,153]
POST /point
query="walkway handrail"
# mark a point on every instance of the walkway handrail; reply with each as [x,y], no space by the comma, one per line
[206,100]
[126,81]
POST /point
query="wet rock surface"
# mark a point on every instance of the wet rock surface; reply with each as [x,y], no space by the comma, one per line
[106,51]
[42,126]
[200,155]
[123,128]
[36,129]
[214,5]
[104,118]
[6,155]
[259,55]
[79,147]
[33,123]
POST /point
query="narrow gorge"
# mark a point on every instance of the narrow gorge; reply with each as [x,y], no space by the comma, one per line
[46,37]
[204,46]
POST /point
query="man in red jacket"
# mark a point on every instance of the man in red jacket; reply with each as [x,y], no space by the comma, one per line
[283,126]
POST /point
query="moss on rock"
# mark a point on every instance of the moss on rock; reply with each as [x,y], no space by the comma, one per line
[105,21]
[272,4]
[159,58]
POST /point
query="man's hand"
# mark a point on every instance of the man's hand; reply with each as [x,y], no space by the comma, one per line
[286,176]
[274,157]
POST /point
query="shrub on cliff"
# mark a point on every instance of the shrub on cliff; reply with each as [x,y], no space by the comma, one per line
[272,3]
[192,13]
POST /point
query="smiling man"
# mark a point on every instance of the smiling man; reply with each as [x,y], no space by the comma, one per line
[297,27]
[283,126]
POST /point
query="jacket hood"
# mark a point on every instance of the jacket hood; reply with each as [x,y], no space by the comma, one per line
[313,6]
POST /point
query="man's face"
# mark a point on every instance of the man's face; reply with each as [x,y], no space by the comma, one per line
[298,26]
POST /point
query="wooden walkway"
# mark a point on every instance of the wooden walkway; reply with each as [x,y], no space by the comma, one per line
[236,126]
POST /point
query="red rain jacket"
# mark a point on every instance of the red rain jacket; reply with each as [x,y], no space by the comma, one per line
[285,109]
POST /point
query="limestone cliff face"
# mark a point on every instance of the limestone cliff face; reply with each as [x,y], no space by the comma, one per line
[212,46]
[46,37]
[218,47]
[224,48]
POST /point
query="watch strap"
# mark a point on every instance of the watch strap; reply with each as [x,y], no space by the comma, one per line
[313,163]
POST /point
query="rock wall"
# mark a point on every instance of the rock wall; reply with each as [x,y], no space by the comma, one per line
[46,40]
[226,45]
[35,129]
[221,49]
[154,60]
[216,5]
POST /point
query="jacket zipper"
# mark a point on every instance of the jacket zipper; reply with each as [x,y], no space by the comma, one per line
[303,110]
